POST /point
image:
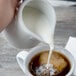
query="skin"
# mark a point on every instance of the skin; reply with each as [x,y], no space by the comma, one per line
[7,12]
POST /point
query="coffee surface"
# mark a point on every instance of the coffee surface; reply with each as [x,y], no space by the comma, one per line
[59,64]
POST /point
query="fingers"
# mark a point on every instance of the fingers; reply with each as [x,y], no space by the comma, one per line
[18,5]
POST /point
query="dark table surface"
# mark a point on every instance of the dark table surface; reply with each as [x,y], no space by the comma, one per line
[65,27]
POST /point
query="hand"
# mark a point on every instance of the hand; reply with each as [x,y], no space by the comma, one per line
[7,12]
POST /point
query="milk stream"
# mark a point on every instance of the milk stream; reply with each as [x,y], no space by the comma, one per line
[39,24]
[49,56]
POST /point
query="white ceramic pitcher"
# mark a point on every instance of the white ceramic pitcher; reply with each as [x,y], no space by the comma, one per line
[17,32]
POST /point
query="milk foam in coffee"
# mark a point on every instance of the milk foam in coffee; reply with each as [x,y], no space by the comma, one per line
[38,23]
[59,66]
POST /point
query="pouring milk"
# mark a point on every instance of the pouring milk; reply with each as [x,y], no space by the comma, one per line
[38,23]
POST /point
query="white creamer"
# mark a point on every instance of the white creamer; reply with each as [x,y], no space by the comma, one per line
[38,23]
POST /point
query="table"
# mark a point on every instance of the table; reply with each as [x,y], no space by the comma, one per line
[65,27]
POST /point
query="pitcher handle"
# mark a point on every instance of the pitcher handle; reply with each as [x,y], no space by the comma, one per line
[21,59]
